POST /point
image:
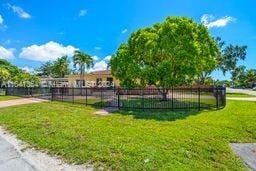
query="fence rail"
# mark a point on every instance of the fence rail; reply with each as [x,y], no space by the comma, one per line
[148,98]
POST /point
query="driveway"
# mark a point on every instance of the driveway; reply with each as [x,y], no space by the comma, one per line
[20,102]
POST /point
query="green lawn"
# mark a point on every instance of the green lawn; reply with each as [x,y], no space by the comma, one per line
[239,95]
[136,140]
[3,98]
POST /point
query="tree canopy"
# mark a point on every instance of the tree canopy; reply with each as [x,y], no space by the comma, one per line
[58,68]
[167,54]
[12,74]
[229,56]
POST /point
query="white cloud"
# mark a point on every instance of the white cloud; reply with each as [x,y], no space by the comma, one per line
[2,25]
[95,58]
[210,22]
[101,65]
[46,52]
[27,69]
[97,48]
[107,58]
[82,12]
[124,31]
[1,20]
[6,53]
[19,11]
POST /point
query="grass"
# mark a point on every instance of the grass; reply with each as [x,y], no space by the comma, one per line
[239,95]
[157,103]
[185,103]
[187,140]
[3,98]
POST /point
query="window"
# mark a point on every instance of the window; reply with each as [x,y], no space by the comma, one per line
[78,83]
[109,81]
[98,81]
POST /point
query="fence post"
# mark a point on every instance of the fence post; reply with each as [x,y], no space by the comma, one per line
[199,98]
[217,97]
[225,98]
[62,93]
[6,91]
[142,93]
[86,96]
[73,95]
[172,99]
[118,99]
[51,89]
[101,97]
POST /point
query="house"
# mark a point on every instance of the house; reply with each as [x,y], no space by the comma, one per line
[93,79]
[54,82]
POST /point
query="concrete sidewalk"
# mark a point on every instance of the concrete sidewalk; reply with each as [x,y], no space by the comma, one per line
[11,159]
[22,101]
[247,152]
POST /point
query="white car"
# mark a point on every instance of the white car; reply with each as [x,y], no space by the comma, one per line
[254,88]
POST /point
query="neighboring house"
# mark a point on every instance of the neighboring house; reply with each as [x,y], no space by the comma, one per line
[92,79]
[54,82]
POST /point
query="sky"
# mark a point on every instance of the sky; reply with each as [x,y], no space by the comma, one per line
[35,31]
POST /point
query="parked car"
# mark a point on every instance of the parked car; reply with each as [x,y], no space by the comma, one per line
[254,88]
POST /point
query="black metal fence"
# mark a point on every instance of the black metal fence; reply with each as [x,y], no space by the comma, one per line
[37,92]
[149,98]
[2,91]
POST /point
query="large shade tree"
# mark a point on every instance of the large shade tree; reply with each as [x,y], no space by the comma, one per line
[83,61]
[167,54]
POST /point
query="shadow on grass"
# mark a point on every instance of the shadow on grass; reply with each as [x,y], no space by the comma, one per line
[183,109]
[159,115]
[152,114]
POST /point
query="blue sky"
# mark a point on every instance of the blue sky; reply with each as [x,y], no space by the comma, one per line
[34,31]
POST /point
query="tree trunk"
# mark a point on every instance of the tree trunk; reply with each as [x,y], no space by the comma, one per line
[164,93]
[81,76]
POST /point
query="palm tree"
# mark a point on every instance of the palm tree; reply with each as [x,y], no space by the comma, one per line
[83,61]
[61,67]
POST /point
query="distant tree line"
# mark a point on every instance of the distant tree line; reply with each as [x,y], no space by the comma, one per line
[61,66]
[12,75]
